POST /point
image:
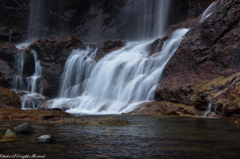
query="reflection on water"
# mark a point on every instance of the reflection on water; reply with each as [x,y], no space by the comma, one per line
[148,137]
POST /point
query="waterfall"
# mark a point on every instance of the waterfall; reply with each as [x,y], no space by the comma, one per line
[148,19]
[118,82]
[35,23]
[18,82]
[32,80]
[30,97]
[78,68]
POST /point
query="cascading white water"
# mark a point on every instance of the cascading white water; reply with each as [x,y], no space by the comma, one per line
[118,82]
[32,80]
[79,65]
[31,99]
[208,11]
[18,82]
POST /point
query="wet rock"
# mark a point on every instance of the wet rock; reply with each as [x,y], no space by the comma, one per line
[24,129]
[9,99]
[113,121]
[108,46]
[29,63]
[156,46]
[209,50]
[46,138]
[7,58]
[9,134]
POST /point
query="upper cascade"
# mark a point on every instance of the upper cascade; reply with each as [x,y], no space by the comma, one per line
[150,20]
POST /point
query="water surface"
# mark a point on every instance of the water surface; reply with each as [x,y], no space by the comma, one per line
[148,137]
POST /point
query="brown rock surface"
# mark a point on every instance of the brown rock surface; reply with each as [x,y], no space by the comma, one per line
[18,114]
[169,108]
[8,98]
[209,50]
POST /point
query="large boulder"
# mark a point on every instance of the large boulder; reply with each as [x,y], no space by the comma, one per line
[8,98]
[209,50]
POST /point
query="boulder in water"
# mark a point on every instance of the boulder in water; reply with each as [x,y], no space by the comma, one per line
[46,138]
[9,134]
[24,129]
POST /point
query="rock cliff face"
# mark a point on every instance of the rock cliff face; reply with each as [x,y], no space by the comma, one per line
[7,58]
[88,20]
[209,50]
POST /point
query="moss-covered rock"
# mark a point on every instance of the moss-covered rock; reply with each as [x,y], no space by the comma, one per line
[222,92]
[169,108]
[9,134]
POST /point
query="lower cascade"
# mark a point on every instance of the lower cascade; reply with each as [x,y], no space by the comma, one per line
[116,84]
[26,87]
